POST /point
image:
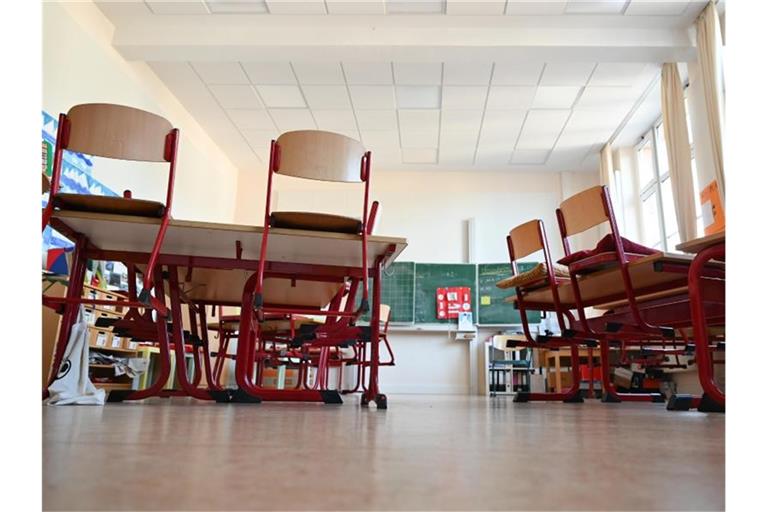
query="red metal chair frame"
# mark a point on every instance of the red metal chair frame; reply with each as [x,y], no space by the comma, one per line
[572,395]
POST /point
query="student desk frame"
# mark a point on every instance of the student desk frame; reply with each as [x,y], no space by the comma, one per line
[660,284]
[311,267]
[706,249]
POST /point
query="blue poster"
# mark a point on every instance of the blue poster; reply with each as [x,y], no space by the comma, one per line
[76,178]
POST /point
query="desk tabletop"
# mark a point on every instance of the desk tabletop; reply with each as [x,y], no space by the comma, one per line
[215,240]
[698,244]
[607,285]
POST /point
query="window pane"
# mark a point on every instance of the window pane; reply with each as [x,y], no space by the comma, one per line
[668,206]
[651,231]
[645,163]
[661,144]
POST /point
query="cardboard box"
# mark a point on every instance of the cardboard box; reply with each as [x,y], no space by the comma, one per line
[130,345]
[274,378]
[115,341]
[98,337]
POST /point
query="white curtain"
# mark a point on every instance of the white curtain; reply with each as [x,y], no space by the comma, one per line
[606,165]
[709,45]
[678,150]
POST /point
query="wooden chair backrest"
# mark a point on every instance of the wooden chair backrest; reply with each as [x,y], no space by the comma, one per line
[526,238]
[319,155]
[584,210]
[117,131]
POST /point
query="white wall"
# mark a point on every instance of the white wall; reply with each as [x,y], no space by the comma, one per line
[80,66]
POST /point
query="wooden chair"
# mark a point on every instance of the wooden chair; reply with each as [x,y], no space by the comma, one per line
[323,156]
[526,239]
[586,210]
[577,214]
[124,133]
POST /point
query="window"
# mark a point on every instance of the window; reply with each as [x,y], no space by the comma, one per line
[658,203]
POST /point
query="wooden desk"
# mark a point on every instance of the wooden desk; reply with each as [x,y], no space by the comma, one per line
[698,244]
[605,286]
[707,249]
[304,268]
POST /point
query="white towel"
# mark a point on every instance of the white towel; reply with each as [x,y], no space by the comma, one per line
[72,384]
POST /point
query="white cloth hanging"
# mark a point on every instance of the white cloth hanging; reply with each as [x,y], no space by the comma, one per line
[72,384]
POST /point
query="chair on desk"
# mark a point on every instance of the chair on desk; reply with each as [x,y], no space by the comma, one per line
[587,210]
[522,241]
[123,133]
[323,156]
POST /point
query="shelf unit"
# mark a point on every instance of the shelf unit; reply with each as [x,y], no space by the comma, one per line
[102,339]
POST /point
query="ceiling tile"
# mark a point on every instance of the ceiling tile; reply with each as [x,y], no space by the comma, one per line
[510,98]
[415,6]
[535,7]
[589,126]
[249,119]
[467,73]
[296,7]
[475,7]
[368,73]
[219,73]
[281,96]
[236,96]
[381,139]
[177,7]
[452,155]
[414,96]
[530,157]
[517,73]
[319,73]
[656,8]
[457,120]
[420,139]
[595,6]
[464,97]
[419,156]
[270,73]
[237,6]
[502,126]
[356,6]
[372,97]
[608,97]
[419,73]
[377,119]
[419,120]
[495,154]
[618,73]
[335,119]
[290,119]
[459,139]
[567,73]
[541,129]
[260,140]
[555,96]
[326,96]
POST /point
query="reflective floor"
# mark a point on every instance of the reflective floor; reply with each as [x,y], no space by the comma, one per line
[425,452]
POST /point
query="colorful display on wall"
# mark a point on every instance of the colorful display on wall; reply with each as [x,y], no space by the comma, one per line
[76,178]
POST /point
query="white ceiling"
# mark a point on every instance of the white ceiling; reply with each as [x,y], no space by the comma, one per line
[552,111]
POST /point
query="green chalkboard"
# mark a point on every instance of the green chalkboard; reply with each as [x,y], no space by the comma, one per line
[396,291]
[397,283]
[492,310]
[430,277]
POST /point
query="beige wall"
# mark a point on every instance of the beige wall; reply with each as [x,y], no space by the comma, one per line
[80,66]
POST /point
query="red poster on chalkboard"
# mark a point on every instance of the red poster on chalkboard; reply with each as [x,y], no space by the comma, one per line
[452,301]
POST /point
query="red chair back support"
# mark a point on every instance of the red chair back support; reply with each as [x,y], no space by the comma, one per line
[123,133]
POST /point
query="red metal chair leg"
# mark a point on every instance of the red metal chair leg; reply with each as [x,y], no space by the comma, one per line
[373,393]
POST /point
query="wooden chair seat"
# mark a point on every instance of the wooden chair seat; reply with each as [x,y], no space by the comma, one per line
[315,222]
[227,325]
[109,204]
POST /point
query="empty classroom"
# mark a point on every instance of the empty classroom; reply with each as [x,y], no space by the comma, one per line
[388,255]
